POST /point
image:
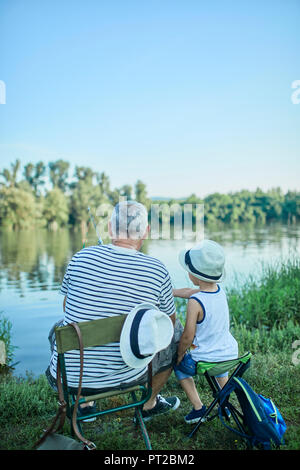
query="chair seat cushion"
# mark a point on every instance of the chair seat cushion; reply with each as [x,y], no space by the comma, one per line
[216,368]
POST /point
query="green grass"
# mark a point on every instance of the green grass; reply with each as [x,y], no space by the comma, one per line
[265,320]
[271,302]
[28,406]
[5,335]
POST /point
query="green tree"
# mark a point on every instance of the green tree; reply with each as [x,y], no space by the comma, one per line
[56,209]
[58,174]
[19,209]
[114,196]
[84,173]
[126,191]
[275,200]
[291,206]
[104,183]
[84,194]
[217,207]
[10,176]
[22,205]
[34,175]
[141,194]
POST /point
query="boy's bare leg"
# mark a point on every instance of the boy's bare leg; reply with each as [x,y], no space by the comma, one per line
[89,403]
[222,381]
[189,387]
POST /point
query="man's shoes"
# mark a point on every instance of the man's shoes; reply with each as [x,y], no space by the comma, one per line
[163,405]
[86,411]
[195,415]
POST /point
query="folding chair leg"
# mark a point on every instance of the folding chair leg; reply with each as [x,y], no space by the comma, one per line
[209,409]
[138,412]
[235,415]
[216,392]
[143,428]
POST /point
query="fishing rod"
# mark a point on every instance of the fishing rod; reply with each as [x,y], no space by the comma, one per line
[100,242]
[91,218]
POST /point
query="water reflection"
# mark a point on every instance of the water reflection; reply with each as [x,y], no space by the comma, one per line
[37,260]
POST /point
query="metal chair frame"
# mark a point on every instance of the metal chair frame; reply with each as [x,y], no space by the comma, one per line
[96,333]
[243,363]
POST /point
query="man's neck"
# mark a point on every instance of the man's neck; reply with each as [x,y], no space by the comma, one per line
[127,243]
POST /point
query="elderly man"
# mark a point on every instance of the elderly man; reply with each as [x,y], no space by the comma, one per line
[112,279]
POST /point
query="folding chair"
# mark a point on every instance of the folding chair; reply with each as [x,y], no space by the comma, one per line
[210,370]
[96,333]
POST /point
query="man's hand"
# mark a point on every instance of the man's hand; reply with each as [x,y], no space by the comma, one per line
[179,358]
[194,314]
[185,293]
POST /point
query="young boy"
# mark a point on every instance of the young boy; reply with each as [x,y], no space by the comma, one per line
[206,330]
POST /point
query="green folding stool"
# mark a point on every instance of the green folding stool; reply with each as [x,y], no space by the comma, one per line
[96,333]
[210,370]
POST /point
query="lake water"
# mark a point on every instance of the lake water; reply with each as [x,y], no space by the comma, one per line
[33,265]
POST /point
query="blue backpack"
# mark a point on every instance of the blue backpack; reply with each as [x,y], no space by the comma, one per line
[262,418]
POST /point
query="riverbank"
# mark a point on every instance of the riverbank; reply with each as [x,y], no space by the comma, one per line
[265,320]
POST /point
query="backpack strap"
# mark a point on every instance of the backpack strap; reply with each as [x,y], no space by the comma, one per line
[62,409]
[61,412]
[224,394]
[244,435]
[88,444]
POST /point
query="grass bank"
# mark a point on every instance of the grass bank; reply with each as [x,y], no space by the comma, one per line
[265,319]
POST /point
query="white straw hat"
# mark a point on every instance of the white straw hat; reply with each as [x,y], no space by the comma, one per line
[205,261]
[146,331]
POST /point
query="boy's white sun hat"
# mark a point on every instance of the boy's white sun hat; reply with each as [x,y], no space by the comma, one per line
[205,261]
[145,332]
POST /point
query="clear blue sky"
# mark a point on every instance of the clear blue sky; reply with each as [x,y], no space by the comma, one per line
[188,96]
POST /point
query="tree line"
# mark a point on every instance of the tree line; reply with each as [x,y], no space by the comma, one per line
[47,195]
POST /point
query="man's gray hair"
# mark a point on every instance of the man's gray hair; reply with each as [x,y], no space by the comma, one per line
[129,219]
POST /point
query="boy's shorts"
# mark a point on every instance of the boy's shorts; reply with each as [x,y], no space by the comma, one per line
[188,368]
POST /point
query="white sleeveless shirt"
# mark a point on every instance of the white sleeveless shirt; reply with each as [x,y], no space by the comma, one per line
[213,340]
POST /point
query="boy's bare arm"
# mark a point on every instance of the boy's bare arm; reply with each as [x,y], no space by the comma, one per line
[185,293]
[194,314]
